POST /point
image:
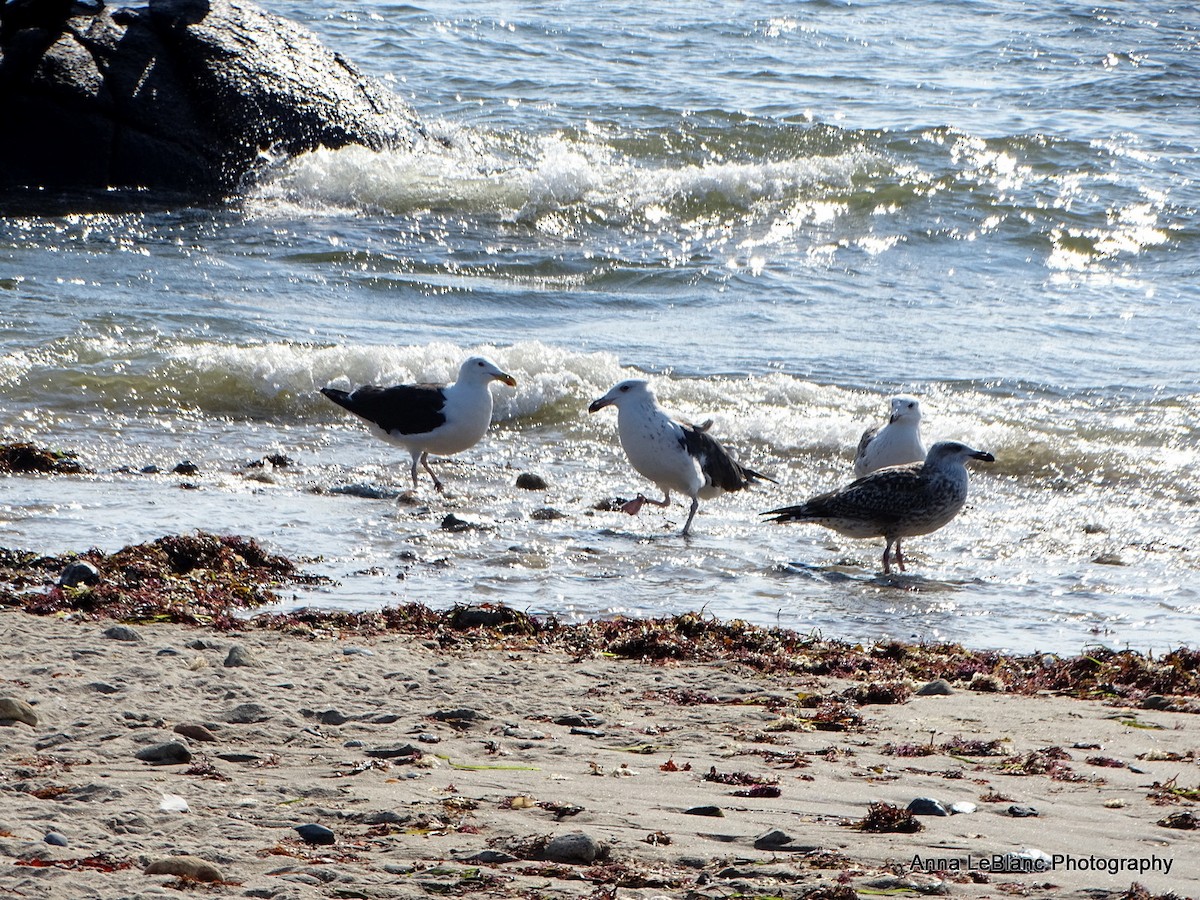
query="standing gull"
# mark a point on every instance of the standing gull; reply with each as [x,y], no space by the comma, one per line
[894,503]
[674,454]
[896,443]
[428,418]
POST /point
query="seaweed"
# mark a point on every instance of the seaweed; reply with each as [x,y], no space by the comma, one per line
[884,818]
[23,457]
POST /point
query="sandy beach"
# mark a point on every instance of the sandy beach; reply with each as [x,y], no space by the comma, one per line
[509,769]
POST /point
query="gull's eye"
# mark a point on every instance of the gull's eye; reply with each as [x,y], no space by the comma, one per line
[624,388]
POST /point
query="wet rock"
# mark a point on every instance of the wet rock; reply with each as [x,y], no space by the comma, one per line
[55,838]
[247,714]
[1022,812]
[240,656]
[79,573]
[927,806]
[529,481]
[713,811]
[547,514]
[196,732]
[14,710]
[187,867]
[171,753]
[453,523]
[366,491]
[939,687]
[187,467]
[575,847]
[122,633]
[316,834]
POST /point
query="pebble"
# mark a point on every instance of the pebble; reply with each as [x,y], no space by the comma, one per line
[357,651]
[192,867]
[574,847]
[426,738]
[488,858]
[14,710]
[939,687]
[771,840]
[927,806]
[580,720]
[453,523]
[962,808]
[547,514]
[713,811]
[78,573]
[172,753]
[53,837]
[332,717]
[196,732]
[529,481]
[393,752]
[122,633]
[247,714]
[102,687]
[1021,812]
[315,834]
[240,656]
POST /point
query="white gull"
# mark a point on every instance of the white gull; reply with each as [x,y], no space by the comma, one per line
[896,443]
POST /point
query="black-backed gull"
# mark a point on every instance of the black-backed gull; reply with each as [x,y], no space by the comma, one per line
[895,444]
[428,418]
[894,503]
[674,454]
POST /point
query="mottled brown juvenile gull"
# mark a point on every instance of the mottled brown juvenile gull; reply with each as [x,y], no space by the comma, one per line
[674,454]
[894,503]
[897,443]
[428,418]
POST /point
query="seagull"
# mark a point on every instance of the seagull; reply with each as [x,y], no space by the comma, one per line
[429,418]
[896,443]
[674,454]
[894,503]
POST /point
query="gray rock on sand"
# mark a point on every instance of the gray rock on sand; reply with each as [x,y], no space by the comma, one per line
[122,633]
[247,714]
[192,867]
[927,806]
[575,847]
[196,732]
[316,834]
[14,710]
[939,687]
[240,656]
[172,753]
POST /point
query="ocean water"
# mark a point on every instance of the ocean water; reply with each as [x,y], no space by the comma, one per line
[781,213]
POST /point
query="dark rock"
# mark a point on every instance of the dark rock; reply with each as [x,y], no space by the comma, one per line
[79,573]
[589,732]
[528,481]
[453,523]
[1021,812]
[1156,701]
[187,467]
[488,858]
[939,687]
[772,840]
[332,717]
[172,753]
[240,656]
[316,834]
[927,806]
[393,752]
[56,839]
[459,718]
[102,687]
[239,758]
[546,514]
[122,633]
[580,720]
[247,714]
[180,96]
[575,847]
[713,811]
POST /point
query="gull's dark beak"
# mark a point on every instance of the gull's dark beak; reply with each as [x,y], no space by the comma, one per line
[983,455]
[598,405]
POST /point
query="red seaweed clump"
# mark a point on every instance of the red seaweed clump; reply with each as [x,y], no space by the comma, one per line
[23,458]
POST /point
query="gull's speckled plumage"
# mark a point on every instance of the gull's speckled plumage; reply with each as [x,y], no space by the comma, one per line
[896,502]
[896,443]
[676,455]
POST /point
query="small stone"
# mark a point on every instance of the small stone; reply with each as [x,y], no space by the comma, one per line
[102,687]
[575,847]
[78,573]
[926,806]
[190,867]
[772,840]
[53,837]
[1022,812]
[122,633]
[332,717]
[988,684]
[547,514]
[1156,701]
[939,687]
[713,811]
[357,651]
[529,481]
[488,858]
[459,718]
[393,752]
[580,720]
[14,710]
[240,656]
[426,738]
[187,467]
[962,808]
[196,732]
[453,523]
[172,753]
[316,834]
[247,714]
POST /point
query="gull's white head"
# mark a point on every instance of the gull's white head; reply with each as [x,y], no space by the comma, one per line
[632,390]
[482,369]
[905,409]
